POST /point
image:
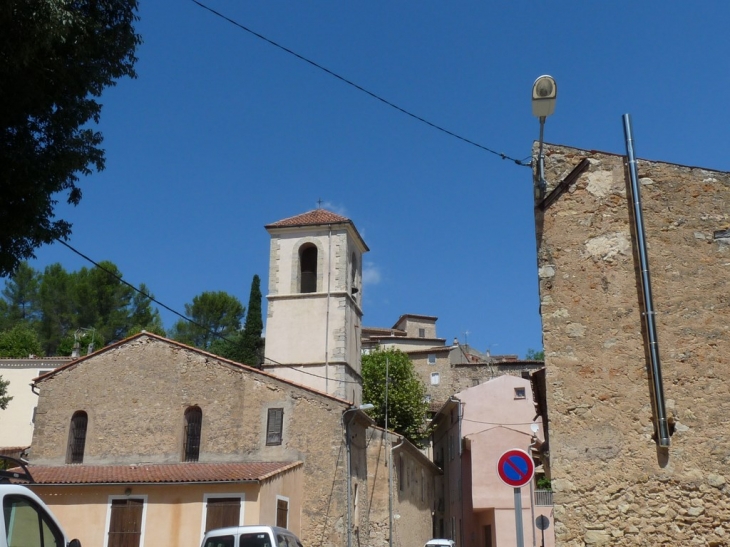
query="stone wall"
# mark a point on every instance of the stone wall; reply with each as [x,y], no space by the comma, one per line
[613,484]
[135,395]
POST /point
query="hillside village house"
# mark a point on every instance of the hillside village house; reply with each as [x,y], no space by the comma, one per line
[17,420]
[614,483]
[470,433]
[443,369]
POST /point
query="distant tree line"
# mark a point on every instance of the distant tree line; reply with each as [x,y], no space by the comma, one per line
[48,312]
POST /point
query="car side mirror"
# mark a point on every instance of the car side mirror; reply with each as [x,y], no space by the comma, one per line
[74,543]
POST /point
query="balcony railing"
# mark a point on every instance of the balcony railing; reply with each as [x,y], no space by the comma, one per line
[543,497]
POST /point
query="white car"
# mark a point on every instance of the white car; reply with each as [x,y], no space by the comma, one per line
[440,543]
[27,521]
[251,536]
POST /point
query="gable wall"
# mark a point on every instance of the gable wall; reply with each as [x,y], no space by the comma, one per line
[613,486]
[136,395]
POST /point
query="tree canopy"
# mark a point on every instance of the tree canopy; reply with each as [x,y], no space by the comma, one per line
[4,397]
[406,393]
[56,58]
[246,346]
[534,355]
[55,304]
[215,314]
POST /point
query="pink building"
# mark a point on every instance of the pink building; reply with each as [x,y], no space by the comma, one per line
[471,431]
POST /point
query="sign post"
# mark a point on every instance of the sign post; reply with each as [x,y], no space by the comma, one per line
[516,469]
[542,523]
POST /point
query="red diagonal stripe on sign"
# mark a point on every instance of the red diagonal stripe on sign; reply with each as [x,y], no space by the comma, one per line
[517,469]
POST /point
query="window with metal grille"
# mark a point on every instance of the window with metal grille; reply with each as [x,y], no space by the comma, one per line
[193,423]
[77,437]
[222,512]
[308,268]
[125,523]
[274,426]
[422,333]
[282,512]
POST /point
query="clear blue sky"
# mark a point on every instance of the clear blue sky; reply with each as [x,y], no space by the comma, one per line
[223,133]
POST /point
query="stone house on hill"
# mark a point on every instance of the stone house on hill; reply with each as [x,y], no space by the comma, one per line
[177,441]
[614,484]
[443,369]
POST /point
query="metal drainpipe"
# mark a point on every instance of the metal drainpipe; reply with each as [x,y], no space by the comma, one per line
[662,429]
[346,427]
[327,317]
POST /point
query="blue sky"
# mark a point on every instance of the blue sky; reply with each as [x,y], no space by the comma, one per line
[223,133]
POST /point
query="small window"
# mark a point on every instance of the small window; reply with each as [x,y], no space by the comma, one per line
[125,523]
[431,358]
[193,428]
[435,378]
[474,382]
[222,512]
[282,512]
[422,333]
[274,426]
[308,268]
[77,437]
[519,393]
[427,398]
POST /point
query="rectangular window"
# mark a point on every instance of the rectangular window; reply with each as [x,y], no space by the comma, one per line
[282,512]
[435,378]
[125,522]
[422,333]
[519,393]
[431,358]
[221,512]
[274,426]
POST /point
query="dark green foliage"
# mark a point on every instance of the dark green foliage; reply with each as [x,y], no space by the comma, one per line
[543,483]
[215,315]
[61,306]
[406,405]
[56,58]
[246,346]
[4,397]
[19,342]
[533,355]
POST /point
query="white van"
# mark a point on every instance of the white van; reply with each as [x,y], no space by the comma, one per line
[251,536]
[440,543]
[26,521]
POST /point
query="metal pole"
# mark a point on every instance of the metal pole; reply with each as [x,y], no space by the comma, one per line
[390,460]
[662,429]
[541,183]
[518,518]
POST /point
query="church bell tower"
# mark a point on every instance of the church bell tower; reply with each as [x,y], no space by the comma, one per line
[314,317]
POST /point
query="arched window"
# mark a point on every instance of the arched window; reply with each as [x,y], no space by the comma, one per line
[193,422]
[77,437]
[308,268]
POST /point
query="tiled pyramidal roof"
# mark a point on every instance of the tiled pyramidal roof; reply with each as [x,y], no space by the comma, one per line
[310,218]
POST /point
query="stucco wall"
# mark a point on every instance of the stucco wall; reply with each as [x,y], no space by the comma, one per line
[136,394]
[613,485]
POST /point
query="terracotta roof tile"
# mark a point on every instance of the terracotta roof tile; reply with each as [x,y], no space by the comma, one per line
[158,473]
[310,218]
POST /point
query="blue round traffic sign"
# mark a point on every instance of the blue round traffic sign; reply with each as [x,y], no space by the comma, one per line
[516,468]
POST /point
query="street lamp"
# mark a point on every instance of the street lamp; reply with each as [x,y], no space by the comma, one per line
[544,94]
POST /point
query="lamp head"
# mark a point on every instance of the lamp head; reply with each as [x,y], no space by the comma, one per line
[544,94]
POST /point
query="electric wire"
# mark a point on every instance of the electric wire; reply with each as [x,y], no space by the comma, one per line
[186,318]
[521,163]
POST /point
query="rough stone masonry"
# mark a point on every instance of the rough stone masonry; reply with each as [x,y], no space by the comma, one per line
[613,484]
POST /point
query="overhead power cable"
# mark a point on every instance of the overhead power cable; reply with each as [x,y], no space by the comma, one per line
[185,317]
[360,88]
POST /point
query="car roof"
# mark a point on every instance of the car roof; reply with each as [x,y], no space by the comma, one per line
[252,529]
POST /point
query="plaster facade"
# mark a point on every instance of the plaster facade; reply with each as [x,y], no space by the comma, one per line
[313,337]
[17,420]
[613,484]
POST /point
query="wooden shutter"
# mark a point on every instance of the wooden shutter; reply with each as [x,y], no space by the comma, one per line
[274,426]
[282,513]
[221,512]
[125,524]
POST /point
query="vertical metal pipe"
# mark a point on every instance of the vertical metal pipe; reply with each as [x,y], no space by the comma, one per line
[662,429]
